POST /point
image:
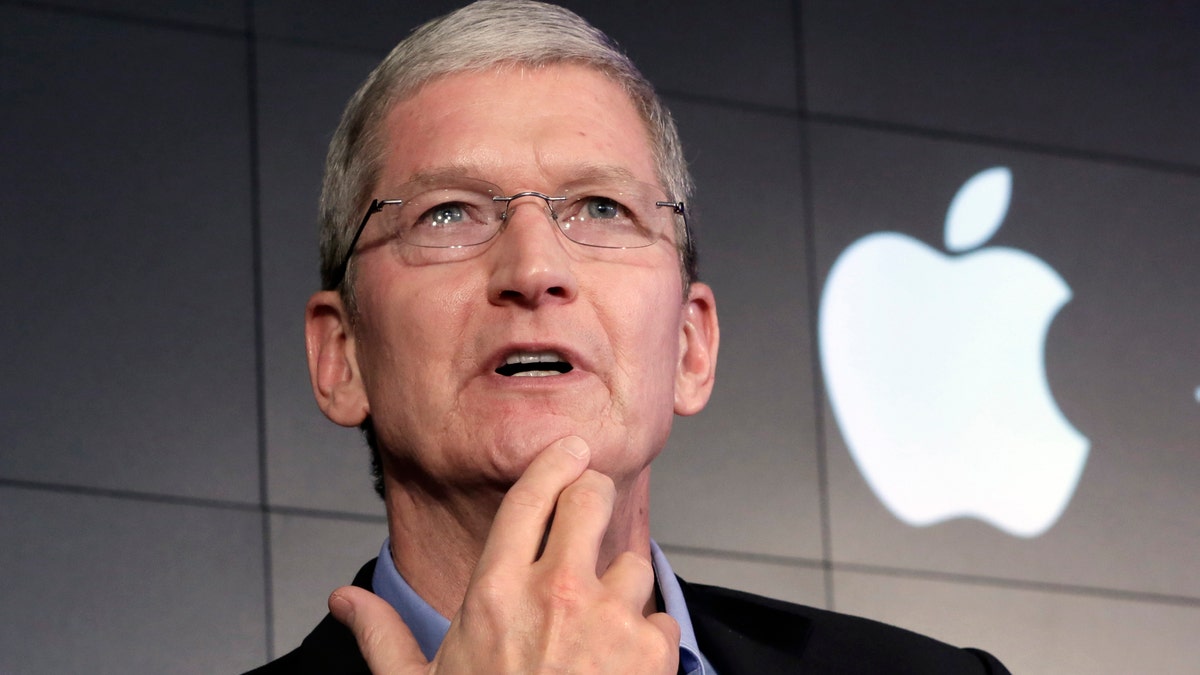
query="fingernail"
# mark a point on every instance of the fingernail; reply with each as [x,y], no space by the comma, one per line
[574,446]
[341,608]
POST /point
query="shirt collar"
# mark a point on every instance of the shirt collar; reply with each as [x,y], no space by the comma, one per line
[429,627]
[691,661]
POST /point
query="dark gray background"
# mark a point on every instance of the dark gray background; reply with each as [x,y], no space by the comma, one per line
[172,501]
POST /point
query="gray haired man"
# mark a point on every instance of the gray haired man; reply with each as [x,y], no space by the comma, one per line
[510,312]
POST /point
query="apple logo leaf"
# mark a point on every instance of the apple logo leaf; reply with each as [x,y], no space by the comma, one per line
[978,209]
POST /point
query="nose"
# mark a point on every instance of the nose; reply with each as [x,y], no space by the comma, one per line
[531,262]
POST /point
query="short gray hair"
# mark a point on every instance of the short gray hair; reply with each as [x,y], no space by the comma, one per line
[481,36]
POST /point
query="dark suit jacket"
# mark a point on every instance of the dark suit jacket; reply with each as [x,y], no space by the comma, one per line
[740,633]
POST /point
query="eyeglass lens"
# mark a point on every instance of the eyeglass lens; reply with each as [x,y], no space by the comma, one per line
[467,212]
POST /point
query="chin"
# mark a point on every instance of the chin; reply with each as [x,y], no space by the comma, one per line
[619,455]
[518,441]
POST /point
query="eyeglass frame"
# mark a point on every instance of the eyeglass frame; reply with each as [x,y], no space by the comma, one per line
[377,205]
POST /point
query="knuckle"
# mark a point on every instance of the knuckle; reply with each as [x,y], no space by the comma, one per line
[564,590]
[668,645]
[658,649]
[488,591]
[487,606]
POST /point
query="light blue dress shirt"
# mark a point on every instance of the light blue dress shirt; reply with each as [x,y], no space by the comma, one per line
[429,627]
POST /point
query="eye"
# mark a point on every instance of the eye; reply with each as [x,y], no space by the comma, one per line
[450,222]
[443,215]
[603,208]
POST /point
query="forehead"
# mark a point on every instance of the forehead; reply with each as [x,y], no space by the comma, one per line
[517,126]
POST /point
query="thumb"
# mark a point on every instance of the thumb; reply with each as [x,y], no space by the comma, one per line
[670,630]
[386,643]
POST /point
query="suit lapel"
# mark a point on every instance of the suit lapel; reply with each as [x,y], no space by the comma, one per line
[744,634]
[331,647]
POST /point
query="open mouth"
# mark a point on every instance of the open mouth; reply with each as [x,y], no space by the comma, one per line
[534,364]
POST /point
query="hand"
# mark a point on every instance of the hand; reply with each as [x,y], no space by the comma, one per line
[525,613]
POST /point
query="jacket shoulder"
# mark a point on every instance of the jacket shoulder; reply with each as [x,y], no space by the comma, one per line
[746,633]
[330,649]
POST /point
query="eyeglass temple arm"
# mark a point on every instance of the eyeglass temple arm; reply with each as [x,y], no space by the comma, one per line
[679,208]
[340,274]
[676,206]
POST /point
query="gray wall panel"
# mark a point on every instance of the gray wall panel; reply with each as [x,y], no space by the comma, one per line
[311,462]
[756,436]
[126,191]
[310,557]
[226,14]
[783,580]
[1114,77]
[1032,631]
[370,27]
[672,43]
[101,585]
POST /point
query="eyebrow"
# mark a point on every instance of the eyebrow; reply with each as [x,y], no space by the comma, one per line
[602,172]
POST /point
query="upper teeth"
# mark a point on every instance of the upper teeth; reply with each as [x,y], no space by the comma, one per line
[532,357]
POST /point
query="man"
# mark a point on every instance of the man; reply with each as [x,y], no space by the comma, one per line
[511,314]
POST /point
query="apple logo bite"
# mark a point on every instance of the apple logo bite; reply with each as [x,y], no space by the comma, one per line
[935,368]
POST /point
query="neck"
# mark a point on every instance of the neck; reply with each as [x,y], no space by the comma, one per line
[437,540]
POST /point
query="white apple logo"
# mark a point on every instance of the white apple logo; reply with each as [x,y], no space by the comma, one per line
[936,372]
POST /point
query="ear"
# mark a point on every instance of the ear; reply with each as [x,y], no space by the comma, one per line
[699,338]
[332,366]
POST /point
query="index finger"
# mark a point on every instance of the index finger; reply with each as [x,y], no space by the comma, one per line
[521,520]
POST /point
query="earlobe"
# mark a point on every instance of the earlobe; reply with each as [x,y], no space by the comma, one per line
[698,341]
[332,366]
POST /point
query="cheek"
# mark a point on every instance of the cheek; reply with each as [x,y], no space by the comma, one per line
[412,334]
[649,343]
